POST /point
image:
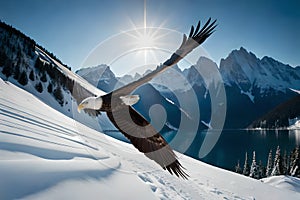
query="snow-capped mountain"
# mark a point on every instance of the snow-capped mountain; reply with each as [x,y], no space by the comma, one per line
[171,80]
[103,78]
[128,78]
[249,73]
[100,76]
[253,86]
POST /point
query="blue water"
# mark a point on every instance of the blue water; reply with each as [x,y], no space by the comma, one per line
[233,144]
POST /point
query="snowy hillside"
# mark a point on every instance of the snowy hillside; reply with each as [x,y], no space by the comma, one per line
[31,67]
[47,155]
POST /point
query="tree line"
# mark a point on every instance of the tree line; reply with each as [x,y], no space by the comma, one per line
[17,54]
[280,164]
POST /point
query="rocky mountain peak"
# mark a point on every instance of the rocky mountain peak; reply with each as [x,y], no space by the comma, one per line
[244,69]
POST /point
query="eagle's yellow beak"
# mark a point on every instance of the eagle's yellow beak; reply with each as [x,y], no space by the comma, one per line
[80,107]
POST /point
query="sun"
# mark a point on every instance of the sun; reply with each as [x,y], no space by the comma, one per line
[140,48]
[147,40]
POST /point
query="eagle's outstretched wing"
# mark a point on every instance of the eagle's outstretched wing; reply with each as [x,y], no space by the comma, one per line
[196,37]
[134,126]
[146,139]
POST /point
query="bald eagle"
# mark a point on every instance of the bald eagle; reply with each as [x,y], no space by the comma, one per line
[118,106]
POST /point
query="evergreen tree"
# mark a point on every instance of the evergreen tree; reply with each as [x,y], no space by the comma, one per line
[39,65]
[59,95]
[3,58]
[23,80]
[269,164]
[261,170]
[254,172]
[16,72]
[277,168]
[285,163]
[246,170]
[44,77]
[31,75]
[39,87]
[50,88]
[7,70]
[295,163]
[238,168]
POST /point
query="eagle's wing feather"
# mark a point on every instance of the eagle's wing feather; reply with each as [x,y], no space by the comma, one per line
[146,139]
[134,126]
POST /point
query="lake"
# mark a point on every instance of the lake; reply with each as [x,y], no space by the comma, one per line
[233,144]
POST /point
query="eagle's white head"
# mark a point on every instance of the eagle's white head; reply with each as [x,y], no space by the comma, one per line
[93,103]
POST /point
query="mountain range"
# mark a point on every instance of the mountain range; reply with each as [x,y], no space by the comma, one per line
[253,86]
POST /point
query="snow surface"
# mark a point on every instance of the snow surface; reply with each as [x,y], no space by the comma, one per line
[47,155]
[297,91]
[79,80]
[283,182]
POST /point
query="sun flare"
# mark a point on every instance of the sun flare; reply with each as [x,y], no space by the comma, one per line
[142,47]
[147,40]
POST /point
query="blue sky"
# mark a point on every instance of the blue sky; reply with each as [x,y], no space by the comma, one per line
[71,29]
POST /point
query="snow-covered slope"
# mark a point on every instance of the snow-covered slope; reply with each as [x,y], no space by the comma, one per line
[47,155]
[283,182]
[28,65]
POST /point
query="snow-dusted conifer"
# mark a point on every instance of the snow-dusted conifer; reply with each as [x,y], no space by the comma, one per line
[246,170]
[238,168]
[23,79]
[277,168]
[269,164]
[39,87]
[295,163]
[261,170]
[254,172]
[285,167]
